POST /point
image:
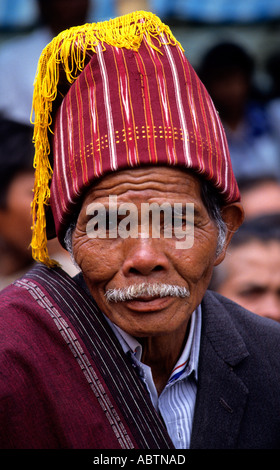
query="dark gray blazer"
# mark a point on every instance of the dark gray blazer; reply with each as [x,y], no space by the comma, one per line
[238,400]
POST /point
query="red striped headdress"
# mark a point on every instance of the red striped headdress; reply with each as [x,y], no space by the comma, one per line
[121,94]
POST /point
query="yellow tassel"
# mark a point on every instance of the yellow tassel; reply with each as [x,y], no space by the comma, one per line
[69,50]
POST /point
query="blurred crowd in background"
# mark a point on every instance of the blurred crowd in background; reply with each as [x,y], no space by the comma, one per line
[235,48]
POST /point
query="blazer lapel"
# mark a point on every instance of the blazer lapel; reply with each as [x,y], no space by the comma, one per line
[221,396]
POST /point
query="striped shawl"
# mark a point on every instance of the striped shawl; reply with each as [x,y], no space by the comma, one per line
[70,385]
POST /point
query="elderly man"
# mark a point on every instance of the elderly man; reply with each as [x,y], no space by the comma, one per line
[133,352]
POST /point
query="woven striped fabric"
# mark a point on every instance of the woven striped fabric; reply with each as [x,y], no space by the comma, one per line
[101,359]
[132,106]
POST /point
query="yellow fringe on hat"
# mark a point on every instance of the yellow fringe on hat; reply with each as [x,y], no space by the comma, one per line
[69,50]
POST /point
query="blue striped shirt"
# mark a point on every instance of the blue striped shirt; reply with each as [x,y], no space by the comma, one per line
[176,402]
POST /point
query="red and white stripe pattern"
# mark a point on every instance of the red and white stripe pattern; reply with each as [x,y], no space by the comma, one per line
[131,108]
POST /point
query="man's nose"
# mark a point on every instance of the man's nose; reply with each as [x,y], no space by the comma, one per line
[144,256]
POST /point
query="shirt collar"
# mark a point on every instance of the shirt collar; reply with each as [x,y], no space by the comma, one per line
[188,361]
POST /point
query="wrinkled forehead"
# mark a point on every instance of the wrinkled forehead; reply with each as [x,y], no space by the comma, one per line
[161,178]
[147,184]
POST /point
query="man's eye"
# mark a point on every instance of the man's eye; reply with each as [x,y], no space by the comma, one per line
[179,221]
[174,222]
[252,292]
[114,222]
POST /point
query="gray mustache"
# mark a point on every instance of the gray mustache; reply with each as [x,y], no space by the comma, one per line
[135,291]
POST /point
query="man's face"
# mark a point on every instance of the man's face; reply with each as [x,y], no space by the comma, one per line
[113,263]
[252,277]
[15,219]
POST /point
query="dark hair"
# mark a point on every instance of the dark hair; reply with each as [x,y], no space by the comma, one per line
[247,183]
[214,203]
[264,228]
[211,199]
[16,153]
[224,57]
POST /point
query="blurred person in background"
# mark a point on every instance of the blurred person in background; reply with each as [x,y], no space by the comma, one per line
[250,272]
[227,71]
[19,56]
[17,180]
[16,194]
[273,105]
[260,195]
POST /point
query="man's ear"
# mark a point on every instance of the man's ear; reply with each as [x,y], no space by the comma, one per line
[233,216]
